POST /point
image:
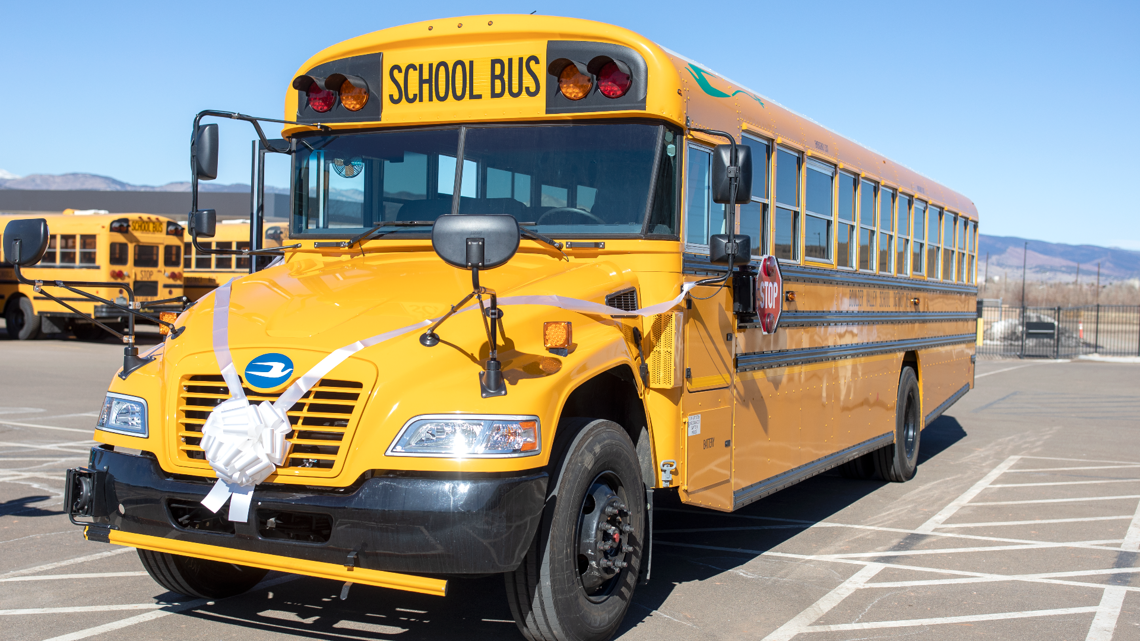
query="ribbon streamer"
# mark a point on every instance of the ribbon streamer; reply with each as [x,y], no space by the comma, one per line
[245,443]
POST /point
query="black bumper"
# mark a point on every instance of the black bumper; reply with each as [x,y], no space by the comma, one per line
[475,524]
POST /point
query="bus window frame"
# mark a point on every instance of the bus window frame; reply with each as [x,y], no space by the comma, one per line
[934,242]
[689,245]
[871,226]
[918,245]
[761,247]
[900,240]
[853,223]
[949,248]
[797,240]
[814,164]
[888,232]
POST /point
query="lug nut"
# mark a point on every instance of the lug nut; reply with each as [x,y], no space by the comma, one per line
[627,548]
[626,527]
[620,564]
[605,563]
[610,511]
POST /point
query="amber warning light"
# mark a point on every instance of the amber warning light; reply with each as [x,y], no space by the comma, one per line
[557,335]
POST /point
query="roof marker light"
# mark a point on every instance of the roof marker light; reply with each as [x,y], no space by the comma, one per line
[573,83]
[353,90]
[612,81]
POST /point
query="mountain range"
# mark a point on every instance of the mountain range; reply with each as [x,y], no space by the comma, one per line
[1046,261]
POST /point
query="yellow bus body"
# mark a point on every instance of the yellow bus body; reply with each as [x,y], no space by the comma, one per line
[771,409]
[204,272]
[81,248]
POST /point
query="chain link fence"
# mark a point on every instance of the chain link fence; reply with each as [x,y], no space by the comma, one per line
[1059,332]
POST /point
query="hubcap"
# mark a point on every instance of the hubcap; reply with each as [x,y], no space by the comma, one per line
[603,537]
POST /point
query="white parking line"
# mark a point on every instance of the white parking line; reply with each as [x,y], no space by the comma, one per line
[1008,369]
[1074,500]
[1132,538]
[1076,460]
[1100,482]
[77,609]
[49,427]
[1104,623]
[1038,521]
[1071,469]
[948,511]
[802,621]
[69,577]
[970,618]
[59,564]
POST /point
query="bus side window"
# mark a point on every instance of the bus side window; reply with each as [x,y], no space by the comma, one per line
[753,217]
[67,246]
[886,229]
[187,250]
[698,199]
[52,255]
[787,241]
[867,251]
[241,262]
[172,256]
[202,261]
[933,217]
[87,250]
[223,262]
[119,254]
[818,210]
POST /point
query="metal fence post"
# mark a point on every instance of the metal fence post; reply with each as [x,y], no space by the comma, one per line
[1138,328]
[1024,331]
[1057,334]
[1096,346]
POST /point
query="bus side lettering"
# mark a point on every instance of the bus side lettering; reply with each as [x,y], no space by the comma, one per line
[533,75]
[407,94]
[458,72]
[471,71]
[515,93]
[398,97]
[425,82]
[498,82]
[442,72]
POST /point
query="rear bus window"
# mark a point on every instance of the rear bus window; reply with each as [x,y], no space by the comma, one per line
[120,255]
[146,255]
[172,256]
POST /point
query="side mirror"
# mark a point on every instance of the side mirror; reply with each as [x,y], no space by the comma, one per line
[475,242]
[204,151]
[722,166]
[25,241]
[204,223]
[720,248]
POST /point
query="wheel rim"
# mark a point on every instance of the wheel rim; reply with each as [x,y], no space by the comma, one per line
[910,427]
[603,527]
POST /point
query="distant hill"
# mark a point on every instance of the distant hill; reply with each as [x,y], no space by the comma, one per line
[93,182]
[1055,261]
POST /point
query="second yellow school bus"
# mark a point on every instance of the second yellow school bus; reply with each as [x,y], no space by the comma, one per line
[143,251]
[204,272]
[389,453]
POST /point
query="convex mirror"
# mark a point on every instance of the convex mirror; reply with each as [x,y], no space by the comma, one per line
[25,241]
[720,248]
[204,150]
[721,162]
[475,241]
[203,223]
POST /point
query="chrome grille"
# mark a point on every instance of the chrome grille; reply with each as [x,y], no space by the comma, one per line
[321,419]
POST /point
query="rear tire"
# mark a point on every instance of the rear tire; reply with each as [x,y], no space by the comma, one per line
[899,462]
[21,320]
[578,577]
[88,332]
[859,469]
[199,578]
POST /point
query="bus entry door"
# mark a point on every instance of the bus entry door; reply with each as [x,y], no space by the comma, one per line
[707,402]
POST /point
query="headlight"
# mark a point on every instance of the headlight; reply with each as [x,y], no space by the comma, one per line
[466,436]
[123,415]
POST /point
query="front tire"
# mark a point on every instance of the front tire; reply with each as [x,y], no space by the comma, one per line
[578,577]
[899,462]
[20,319]
[199,578]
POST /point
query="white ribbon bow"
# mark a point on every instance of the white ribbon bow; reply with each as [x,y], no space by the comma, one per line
[245,443]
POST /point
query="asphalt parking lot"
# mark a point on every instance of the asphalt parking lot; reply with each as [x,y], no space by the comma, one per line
[1023,523]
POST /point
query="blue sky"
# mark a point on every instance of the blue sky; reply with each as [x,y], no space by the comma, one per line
[1028,108]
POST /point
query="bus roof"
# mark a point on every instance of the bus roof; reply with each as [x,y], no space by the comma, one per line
[678,89]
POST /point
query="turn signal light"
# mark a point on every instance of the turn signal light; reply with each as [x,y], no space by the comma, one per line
[353,95]
[166,317]
[557,335]
[612,82]
[118,274]
[574,84]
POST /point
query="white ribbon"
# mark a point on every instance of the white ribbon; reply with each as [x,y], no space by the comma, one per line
[245,443]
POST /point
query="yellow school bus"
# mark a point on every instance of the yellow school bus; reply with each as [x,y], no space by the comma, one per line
[140,250]
[204,272]
[511,320]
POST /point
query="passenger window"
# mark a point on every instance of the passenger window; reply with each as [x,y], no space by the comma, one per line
[903,240]
[963,247]
[949,222]
[187,251]
[146,255]
[241,262]
[52,255]
[223,262]
[87,250]
[202,261]
[845,232]
[787,240]
[933,216]
[119,254]
[753,217]
[67,246]
[886,226]
[818,201]
[917,259]
[867,232]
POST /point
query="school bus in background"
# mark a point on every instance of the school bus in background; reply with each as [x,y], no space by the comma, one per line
[204,272]
[142,250]
[406,461]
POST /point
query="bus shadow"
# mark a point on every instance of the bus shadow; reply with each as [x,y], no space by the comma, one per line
[691,545]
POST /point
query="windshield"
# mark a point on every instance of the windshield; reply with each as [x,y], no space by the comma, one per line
[568,180]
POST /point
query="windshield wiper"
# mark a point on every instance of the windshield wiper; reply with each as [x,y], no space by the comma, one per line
[368,235]
[533,235]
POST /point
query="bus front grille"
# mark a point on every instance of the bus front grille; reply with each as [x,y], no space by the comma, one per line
[322,421]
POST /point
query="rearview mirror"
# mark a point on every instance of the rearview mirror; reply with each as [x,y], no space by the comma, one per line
[722,162]
[475,242]
[720,249]
[204,150]
[25,241]
[203,223]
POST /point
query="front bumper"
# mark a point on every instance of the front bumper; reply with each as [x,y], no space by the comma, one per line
[477,524]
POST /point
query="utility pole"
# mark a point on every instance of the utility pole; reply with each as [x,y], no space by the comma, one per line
[1024,263]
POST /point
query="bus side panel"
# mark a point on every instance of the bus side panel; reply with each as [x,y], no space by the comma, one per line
[766,430]
[945,371]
